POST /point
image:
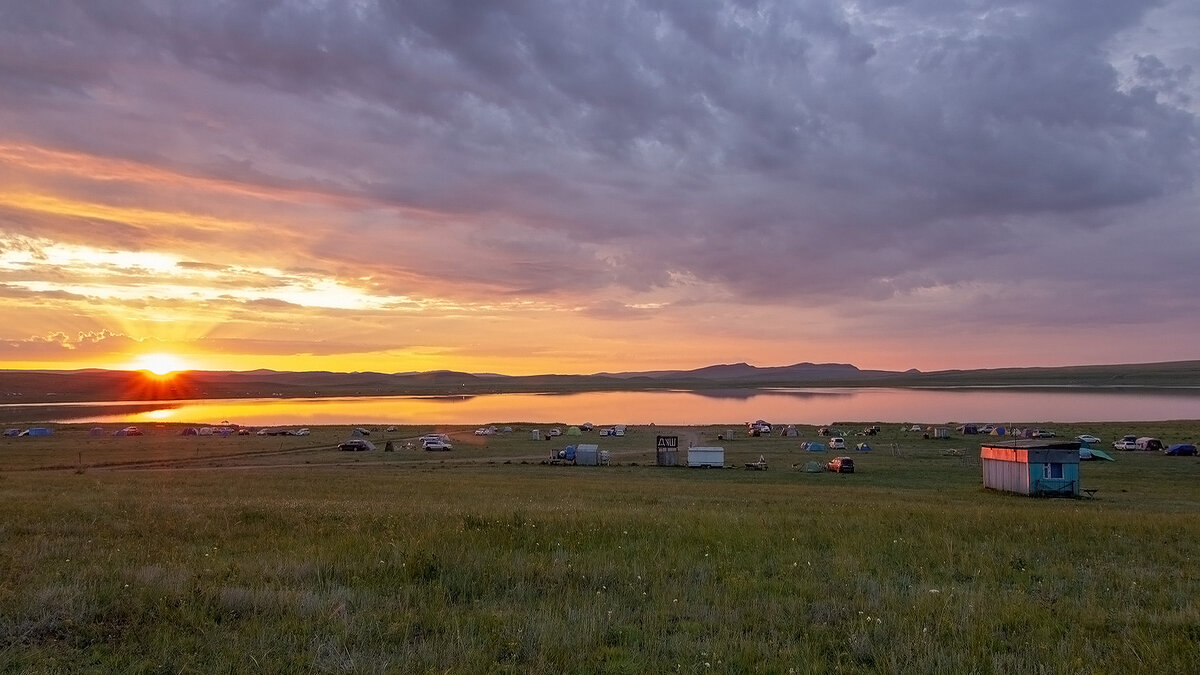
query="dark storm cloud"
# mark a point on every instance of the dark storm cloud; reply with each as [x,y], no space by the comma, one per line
[805,152]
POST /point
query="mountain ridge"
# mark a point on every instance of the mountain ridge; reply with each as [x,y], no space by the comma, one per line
[95,384]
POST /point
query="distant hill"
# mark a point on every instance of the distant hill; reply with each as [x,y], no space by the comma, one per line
[745,371]
[48,386]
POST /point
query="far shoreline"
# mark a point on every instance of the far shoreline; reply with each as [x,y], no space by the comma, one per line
[676,406]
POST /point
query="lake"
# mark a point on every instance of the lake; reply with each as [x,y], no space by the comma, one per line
[797,406]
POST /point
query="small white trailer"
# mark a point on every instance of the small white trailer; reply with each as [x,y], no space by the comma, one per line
[706,457]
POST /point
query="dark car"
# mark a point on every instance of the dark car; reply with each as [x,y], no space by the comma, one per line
[356,445]
[841,465]
[1181,450]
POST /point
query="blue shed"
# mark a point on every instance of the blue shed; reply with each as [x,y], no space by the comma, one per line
[1032,467]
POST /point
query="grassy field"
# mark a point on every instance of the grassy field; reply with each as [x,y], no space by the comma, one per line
[282,554]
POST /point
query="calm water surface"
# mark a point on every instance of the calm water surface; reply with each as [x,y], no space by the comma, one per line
[799,406]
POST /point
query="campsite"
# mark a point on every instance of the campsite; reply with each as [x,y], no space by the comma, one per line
[173,552]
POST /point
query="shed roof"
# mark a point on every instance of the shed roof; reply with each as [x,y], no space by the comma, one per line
[1034,444]
[1032,452]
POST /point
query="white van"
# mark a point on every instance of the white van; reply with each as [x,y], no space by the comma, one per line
[837,443]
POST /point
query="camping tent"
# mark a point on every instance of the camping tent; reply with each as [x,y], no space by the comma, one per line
[574,431]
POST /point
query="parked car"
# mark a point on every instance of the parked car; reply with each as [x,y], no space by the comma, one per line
[1042,433]
[356,445]
[435,442]
[1087,438]
[1181,450]
[841,465]
[838,443]
[1127,442]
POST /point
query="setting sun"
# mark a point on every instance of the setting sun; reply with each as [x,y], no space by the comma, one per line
[159,363]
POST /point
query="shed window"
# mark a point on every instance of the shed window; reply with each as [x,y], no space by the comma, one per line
[1052,470]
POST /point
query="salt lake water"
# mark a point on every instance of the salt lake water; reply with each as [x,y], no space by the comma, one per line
[797,406]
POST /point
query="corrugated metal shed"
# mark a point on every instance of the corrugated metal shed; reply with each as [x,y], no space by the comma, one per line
[587,454]
[1031,467]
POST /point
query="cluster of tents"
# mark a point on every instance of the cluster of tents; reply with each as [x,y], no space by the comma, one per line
[32,431]
[814,446]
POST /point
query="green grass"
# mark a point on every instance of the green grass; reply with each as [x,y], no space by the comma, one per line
[163,553]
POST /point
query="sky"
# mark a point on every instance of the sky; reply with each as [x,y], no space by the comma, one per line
[522,187]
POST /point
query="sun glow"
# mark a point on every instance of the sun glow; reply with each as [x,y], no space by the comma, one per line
[159,363]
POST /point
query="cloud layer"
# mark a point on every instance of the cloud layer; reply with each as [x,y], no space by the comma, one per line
[927,184]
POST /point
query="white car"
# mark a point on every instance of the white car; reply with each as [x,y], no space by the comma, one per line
[1087,438]
[435,444]
[837,443]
